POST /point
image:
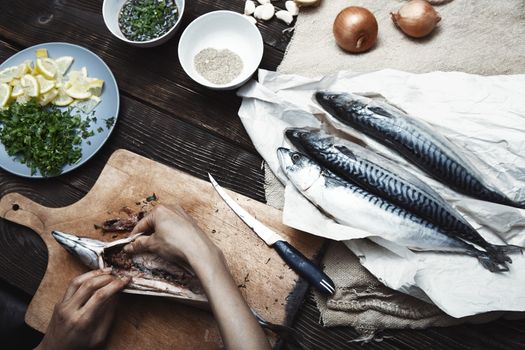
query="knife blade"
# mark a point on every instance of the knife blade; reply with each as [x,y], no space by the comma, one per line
[294,258]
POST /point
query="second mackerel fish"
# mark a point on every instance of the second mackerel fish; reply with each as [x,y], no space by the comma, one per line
[351,205]
[383,178]
[413,139]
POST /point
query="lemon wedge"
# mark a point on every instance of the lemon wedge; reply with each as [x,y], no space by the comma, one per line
[14,72]
[45,85]
[30,85]
[62,99]
[5,94]
[23,99]
[47,98]
[78,92]
[41,53]
[47,67]
[63,63]
[17,89]
[88,105]
[95,86]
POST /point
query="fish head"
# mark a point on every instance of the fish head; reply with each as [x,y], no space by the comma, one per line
[301,170]
[86,249]
[340,103]
[306,139]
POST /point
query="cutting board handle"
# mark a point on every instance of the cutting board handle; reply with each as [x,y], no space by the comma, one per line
[21,210]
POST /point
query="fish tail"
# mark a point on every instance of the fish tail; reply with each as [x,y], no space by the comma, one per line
[490,264]
[499,252]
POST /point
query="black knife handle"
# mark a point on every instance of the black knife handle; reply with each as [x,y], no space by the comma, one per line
[304,267]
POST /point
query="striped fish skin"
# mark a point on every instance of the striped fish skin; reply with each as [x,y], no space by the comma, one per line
[413,139]
[352,205]
[375,174]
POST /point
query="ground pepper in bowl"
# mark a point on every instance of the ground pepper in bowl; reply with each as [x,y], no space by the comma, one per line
[143,20]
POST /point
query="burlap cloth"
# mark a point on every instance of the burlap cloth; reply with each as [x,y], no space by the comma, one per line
[476,36]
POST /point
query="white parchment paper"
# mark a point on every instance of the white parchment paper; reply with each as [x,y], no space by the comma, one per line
[483,115]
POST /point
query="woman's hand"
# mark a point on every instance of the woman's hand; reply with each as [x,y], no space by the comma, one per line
[176,235]
[84,316]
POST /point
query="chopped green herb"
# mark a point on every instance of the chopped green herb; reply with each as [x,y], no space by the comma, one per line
[151,198]
[109,122]
[142,20]
[100,129]
[43,137]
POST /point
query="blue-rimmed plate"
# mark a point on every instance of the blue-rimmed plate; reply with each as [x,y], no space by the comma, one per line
[107,108]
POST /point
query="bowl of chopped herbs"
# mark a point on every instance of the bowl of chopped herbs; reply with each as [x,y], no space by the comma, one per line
[143,23]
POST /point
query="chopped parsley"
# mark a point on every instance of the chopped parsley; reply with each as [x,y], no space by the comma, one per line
[43,137]
[109,122]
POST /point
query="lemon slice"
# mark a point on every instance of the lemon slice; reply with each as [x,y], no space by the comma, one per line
[5,93]
[47,67]
[30,85]
[78,92]
[45,85]
[41,53]
[95,86]
[23,99]
[47,98]
[13,72]
[17,88]
[63,63]
[62,99]
[88,105]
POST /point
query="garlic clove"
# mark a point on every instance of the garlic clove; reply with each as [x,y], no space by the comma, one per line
[264,12]
[306,3]
[249,7]
[292,8]
[251,19]
[262,2]
[284,16]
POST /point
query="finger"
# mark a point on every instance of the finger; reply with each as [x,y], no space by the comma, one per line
[77,281]
[100,297]
[139,245]
[146,225]
[88,288]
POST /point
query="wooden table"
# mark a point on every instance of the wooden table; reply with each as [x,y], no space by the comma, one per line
[167,117]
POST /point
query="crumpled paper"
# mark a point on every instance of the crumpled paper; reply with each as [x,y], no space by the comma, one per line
[484,116]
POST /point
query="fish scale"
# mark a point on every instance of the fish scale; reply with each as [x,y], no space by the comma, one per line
[350,204]
[360,166]
[412,139]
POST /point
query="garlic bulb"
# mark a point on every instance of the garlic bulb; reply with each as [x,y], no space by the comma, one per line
[292,8]
[262,2]
[284,16]
[264,12]
[249,7]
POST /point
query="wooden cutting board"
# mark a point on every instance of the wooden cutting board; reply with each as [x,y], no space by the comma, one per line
[145,322]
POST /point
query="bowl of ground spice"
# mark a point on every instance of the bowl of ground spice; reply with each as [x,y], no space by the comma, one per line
[143,23]
[221,50]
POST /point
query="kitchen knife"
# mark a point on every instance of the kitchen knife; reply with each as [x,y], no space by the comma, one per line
[294,258]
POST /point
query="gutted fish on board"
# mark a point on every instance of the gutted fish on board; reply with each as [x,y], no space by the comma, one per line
[150,274]
[413,139]
[383,178]
[352,205]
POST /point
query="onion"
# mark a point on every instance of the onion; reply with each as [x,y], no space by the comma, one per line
[355,29]
[417,18]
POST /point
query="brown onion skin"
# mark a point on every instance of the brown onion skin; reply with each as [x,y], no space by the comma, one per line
[417,18]
[355,29]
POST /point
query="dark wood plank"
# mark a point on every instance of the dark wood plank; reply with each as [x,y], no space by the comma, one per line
[153,76]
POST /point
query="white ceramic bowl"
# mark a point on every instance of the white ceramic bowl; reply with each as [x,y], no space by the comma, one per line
[111,10]
[222,30]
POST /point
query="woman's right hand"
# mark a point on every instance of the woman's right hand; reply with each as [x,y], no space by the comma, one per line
[175,235]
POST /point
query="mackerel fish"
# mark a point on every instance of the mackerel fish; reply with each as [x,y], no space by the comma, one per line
[353,206]
[413,139]
[150,274]
[383,178]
